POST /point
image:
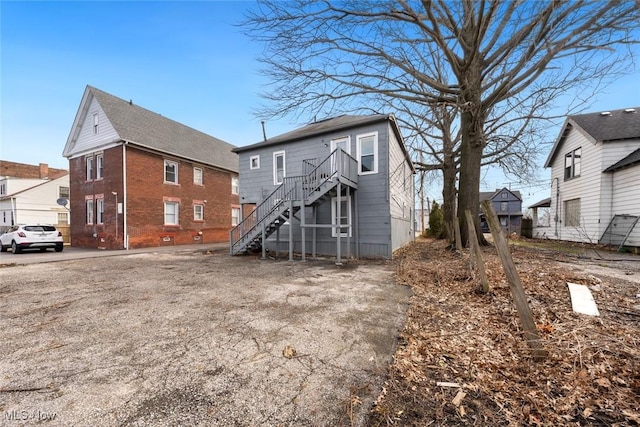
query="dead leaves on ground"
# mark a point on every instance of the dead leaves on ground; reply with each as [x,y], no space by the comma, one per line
[455,335]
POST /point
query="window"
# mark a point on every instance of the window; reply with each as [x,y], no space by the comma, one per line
[99,166]
[170,172]
[254,162]
[198,212]
[171,213]
[95,123]
[63,218]
[572,213]
[197,176]
[345,216]
[89,168]
[235,216]
[3,189]
[279,168]
[63,192]
[368,153]
[89,210]
[235,186]
[572,164]
[504,195]
[99,211]
[504,206]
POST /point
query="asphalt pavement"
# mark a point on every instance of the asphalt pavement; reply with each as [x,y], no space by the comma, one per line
[73,253]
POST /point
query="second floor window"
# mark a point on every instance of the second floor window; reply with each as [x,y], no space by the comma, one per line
[572,164]
[197,176]
[235,185]
[279,168]
[3,189]
[89,168]
[170,172]
[63,192]
[99,166]
[504,206]
[368,153]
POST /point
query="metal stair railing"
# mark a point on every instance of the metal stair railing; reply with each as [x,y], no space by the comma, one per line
[270,208]
[338,166]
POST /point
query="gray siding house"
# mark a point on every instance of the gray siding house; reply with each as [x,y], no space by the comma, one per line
[338,187]
[508,207]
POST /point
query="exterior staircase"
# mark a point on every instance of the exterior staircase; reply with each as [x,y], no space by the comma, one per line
[318,182]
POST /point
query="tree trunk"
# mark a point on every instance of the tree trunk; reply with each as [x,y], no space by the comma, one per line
[449,193]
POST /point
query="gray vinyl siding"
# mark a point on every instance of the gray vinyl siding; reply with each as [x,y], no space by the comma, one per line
[401,200]
[627,200]
[373,237]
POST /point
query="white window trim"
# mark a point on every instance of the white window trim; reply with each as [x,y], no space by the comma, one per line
[99,210]
[89,211]
[257,159]
[335,141]
[284,167]
[359,139]
[96,123]
[235,189]
[99,166]
[177,214]
[198,181]
[195,212]
[334,219]
[235,221]
[164,171]
[88,168]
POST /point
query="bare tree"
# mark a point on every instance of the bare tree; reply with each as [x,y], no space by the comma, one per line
[326,56]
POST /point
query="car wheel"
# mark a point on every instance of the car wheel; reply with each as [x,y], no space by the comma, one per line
[3,248]
[43,249]
[59,248]
[15,248]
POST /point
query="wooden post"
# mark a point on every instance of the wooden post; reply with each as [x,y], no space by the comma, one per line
[475,251]
[456,224]
[517,291]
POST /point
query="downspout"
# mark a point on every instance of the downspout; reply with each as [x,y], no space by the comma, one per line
[125,235]
[14,213]
[557,204]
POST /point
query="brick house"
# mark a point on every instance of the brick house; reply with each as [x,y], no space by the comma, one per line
[139,179]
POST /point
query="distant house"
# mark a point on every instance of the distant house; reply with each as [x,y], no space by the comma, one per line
[29,194]
[139,179]
[595,177]
[342,186]
[508,206]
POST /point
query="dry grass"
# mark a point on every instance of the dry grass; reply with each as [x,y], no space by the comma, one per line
[455,334]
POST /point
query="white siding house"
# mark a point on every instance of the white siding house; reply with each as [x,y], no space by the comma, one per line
[595,171]
[25,198]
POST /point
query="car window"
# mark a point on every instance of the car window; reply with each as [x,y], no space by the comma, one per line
[48,228]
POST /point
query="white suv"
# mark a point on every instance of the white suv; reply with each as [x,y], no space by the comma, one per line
[41,237]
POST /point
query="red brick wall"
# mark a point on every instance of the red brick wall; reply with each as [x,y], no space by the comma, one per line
[146,192]
[23,170]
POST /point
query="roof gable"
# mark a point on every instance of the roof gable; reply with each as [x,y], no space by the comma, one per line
[605,126]
[141,127]
[491,195]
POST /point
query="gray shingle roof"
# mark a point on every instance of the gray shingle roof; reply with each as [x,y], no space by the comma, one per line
[617,125]
[317,128]
[605,126]
[152,130]
[631,159]
[488,195]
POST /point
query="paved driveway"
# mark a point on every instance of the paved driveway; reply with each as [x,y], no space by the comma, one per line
[189,338]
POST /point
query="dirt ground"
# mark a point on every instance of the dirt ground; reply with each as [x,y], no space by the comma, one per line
[168,339]
[463,361]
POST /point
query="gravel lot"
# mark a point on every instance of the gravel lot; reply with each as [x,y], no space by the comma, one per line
[159,339]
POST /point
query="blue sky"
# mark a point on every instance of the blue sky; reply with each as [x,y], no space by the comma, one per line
[185,60]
